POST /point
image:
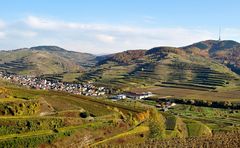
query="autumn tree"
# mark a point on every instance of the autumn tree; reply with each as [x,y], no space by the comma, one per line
[156,124]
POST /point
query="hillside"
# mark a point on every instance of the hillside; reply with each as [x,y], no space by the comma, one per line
[44,60]
[126,57]
[37,118]
[83,59]
[226,52]
[203,65]
[29,117]
[162,66]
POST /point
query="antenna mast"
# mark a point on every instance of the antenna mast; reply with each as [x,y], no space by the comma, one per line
[219,34]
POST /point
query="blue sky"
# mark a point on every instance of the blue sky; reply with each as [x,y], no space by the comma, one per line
[107,26]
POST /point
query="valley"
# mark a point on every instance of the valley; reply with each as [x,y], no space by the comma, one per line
[52,97]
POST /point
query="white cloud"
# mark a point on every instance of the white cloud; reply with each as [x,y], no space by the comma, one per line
[105,38]
[40,23]
[47,24]
[101,38]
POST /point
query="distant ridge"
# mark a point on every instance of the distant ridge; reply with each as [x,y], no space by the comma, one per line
[44,60]
[54,59]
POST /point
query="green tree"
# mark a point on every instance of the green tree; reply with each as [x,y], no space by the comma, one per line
[156,125]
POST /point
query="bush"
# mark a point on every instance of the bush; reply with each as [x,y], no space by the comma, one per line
[156,125]
[84,114]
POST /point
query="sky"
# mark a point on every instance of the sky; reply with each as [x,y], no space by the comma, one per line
[109,26]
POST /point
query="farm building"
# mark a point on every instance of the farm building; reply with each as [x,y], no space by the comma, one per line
[138,96]
[119,97]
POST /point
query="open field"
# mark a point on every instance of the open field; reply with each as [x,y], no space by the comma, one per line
[222,95]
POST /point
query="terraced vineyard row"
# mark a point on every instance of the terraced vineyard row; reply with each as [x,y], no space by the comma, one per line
[200,78]
[15,66]
[178,75]
[34,138]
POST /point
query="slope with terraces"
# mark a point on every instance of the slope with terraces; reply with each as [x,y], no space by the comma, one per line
[162,66]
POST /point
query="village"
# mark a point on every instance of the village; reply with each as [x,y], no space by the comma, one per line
[86,89]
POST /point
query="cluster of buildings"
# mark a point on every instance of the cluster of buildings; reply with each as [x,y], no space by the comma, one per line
[135,96]
[86,89]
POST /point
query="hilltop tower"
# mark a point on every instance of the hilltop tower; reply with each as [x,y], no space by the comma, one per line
[219,39]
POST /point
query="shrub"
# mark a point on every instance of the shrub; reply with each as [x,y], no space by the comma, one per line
[156,125]
[84,114]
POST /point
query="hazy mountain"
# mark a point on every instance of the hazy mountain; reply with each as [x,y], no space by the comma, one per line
[44,60]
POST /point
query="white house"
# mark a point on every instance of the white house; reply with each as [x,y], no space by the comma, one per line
[119,97]
[139,96]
